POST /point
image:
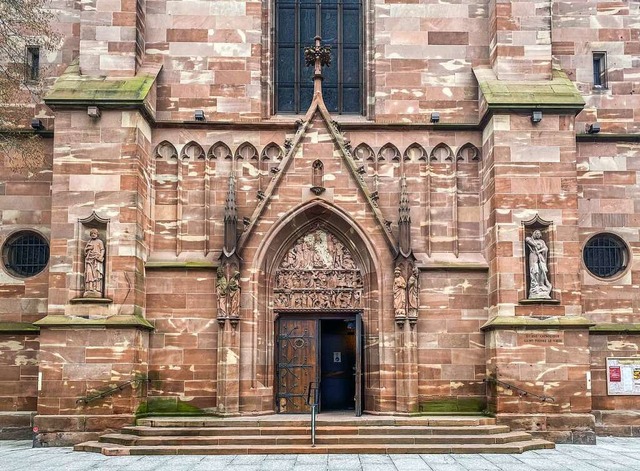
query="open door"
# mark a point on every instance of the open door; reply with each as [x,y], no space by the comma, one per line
[296,365]
[358,367]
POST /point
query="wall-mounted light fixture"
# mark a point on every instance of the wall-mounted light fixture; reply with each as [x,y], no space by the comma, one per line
[435,117]
[93,112]
[536,116]
[199,115]
[593,128]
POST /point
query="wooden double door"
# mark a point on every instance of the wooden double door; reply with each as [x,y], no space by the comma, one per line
[321,351]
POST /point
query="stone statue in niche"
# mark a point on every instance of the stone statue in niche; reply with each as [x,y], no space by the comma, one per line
[539,284]
[93,266]
[413,294]
[233,289]
[399,294]
[221,288]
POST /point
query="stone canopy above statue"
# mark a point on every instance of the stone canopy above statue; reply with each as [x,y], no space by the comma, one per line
[318,272]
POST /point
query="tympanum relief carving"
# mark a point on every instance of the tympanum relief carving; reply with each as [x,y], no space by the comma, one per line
[318,272]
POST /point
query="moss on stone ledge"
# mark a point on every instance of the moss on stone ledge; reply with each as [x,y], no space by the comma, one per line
[623,328]
[452,406]
[18,328]
[108,322]
[557,93]
[185,265]
[72,88]
[528,322]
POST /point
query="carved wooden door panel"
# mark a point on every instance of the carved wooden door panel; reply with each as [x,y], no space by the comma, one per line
[296,363]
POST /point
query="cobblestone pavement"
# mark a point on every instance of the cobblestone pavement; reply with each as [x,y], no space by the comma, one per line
[611,454]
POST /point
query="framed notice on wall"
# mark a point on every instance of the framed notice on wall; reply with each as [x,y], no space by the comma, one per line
[623,376]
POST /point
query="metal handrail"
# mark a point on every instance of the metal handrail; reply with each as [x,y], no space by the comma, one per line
[108,392]
[521,392]
[315,387]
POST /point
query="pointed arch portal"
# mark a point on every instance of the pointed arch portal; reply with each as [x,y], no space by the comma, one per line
[317,278]
[318,295]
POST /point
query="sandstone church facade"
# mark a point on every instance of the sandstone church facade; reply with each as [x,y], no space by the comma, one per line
[437,214]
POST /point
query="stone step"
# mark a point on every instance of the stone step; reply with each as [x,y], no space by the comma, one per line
[112,449]
[145,431]
[321,430]
[293,440]
[304,421]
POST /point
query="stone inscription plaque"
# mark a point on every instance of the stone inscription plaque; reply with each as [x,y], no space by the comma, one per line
[546,338]
[623,376]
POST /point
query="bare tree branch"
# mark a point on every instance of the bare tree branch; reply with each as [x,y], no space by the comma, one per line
[23,24]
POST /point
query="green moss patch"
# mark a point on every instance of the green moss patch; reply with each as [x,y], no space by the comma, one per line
[72,88]
[528,322]
[622,328]
[557,93]
[18,328]
[167,406]
[117,321]
[453,406]
[182,265]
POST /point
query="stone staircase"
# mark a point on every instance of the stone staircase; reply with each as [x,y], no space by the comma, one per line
[335,433]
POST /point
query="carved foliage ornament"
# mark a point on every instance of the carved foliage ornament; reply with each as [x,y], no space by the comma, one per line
[318,272]
[312,53]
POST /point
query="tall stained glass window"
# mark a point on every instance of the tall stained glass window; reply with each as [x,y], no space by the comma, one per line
[339,24]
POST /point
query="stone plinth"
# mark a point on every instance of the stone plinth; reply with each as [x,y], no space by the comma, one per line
[79,359]
[541,368]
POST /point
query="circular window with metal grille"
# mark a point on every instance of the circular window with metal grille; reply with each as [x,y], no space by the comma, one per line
[25,254]
[605,255]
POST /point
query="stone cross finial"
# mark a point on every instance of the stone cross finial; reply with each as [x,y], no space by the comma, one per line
[318,56]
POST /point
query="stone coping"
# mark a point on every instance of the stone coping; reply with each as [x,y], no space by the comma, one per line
[332,418]
[539,301]
[19,328]
[116,321]
[529,322]
[91,301]
[205,265]
[74,89]
[559,93]
[617,328]
[465,261]
[608,137]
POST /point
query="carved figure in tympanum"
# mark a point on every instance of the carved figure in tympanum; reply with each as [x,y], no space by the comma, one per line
[318,272]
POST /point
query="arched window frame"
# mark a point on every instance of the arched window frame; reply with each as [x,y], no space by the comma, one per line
[340,100]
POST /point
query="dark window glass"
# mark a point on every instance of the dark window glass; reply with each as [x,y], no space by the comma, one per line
[338,22]
[33,63]
[605,255]
[25,254]
[599,70]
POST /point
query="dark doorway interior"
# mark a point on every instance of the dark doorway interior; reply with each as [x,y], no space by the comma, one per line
[338,361]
